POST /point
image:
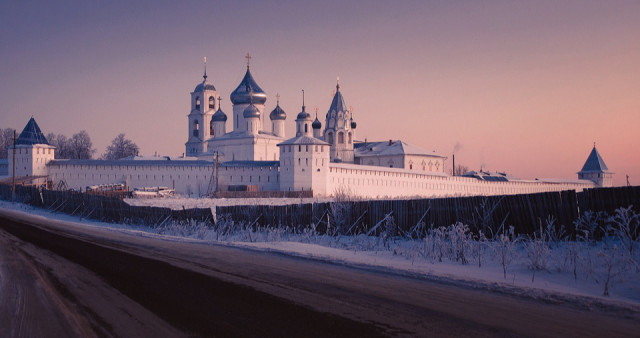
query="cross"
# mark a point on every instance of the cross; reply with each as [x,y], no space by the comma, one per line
[248,57]
[316,111]
[278,97]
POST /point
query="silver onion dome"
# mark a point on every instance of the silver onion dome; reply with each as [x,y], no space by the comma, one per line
[251,111]
[205,85]
[303,115]
[278,114]
[242,94]
[219,116]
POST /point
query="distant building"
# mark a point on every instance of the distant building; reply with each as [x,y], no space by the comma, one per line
[257,157]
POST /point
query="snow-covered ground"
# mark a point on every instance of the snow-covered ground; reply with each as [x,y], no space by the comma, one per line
[566,271]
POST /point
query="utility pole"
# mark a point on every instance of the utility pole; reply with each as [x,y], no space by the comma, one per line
[13,186]
[217,169]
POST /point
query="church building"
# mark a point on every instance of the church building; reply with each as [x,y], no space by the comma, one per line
[236,152]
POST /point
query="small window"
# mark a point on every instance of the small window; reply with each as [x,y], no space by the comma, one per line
[306,128]
[212,102]
[197,102]
[340,138]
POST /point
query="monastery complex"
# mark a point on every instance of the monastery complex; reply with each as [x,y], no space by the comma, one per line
[247,149]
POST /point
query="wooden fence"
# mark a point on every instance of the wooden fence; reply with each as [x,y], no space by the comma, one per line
[525,212]
[103,208]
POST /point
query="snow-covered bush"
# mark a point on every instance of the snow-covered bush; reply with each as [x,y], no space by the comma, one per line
[537,249]
[506,248]
[625,225]
[589,227]
[459,237]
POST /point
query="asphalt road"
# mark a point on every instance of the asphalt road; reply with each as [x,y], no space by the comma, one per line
[110,283]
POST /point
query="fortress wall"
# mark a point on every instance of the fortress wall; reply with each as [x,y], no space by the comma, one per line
[380,182]
[184,178]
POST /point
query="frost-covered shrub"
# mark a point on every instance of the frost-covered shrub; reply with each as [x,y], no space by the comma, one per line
[506,248]
[537,249]
[615,263]
[459,237]
[625,225]
[589,227]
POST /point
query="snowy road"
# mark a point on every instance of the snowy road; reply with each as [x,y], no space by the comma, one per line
[152,285]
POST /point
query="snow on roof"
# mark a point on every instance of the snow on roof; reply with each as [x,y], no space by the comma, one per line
[564,180]
[491,176]
[303,140]
[160,161]
[594,163]
[390,147]
[250,164]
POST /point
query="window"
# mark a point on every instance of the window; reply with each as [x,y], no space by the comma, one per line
[350,140]
[340,138]
[196,126]
[198,102]
[211,131]
[306,148]
[299,148]
[306,128]
[211,102]
[330,137]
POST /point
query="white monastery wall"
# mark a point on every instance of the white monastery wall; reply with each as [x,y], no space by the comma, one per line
[185,178]
[267,178]
[380,182]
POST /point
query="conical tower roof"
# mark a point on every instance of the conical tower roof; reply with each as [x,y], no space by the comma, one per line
[594,163]
[31,134]
[338,105]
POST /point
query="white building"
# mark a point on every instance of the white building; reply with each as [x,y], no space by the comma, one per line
[251,158]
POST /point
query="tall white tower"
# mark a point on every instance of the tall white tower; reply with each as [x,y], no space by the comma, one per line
[338,129]
[32,152]
[203,106]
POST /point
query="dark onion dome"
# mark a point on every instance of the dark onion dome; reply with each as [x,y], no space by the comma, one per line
[219,116]
[278,114]
[242,94]
[303,115]
[353,124]
[251,111]
[205,85]
[316,123]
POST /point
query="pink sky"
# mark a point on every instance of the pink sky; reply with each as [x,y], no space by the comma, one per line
[524,88]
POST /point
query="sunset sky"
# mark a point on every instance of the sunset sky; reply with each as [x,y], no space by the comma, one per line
[521,87]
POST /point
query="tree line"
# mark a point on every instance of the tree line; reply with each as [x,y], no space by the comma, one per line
[77,147]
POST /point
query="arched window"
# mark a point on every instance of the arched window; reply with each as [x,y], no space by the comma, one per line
[340,138]
[211,130]
[197,102]
[350,139]
[212,102]
[330,138]
[196,126]
[306,128]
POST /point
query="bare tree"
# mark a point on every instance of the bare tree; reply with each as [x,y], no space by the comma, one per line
[120,147]
[6,140]
[80,146]
[61,143]
[459,170]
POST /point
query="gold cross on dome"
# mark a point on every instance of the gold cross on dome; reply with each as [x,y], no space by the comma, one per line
[278,97]
[248,57]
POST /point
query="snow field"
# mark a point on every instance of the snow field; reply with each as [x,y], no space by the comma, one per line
[544,266]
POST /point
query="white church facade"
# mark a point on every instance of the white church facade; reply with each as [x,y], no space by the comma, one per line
[237,152]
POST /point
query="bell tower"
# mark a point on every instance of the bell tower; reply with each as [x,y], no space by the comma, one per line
[203,106]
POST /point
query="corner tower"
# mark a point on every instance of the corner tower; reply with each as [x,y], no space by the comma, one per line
[594,169]
[32,152]
[203,106]
[338,130]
